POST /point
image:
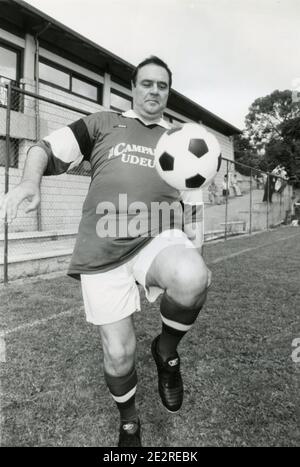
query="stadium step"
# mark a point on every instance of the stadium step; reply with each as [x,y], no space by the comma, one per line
[34,253]
[237,226]
[34,265]
[37,237]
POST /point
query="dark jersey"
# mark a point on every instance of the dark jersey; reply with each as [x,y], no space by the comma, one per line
[118,218]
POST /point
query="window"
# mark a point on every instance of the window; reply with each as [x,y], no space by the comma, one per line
[54,76]
[9,72]
[175,121]
[119,101]
[69,81]
[84,89]
[3,91]
[168,118]
[8,63]
[13,152]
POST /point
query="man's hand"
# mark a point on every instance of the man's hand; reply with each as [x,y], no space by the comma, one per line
[194,233]
[190,231]
[29,188]
[9,203]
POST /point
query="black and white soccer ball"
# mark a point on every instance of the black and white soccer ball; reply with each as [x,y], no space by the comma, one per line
[188,157]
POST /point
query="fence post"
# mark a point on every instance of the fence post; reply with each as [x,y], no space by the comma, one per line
[290,197]
[268,194]
[290,201]
[250,211]
[6,181]
[37,129]
[226,205]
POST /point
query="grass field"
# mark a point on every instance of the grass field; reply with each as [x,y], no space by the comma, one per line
[241,385]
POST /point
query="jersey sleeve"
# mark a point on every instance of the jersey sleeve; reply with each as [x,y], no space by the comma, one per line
[69,145]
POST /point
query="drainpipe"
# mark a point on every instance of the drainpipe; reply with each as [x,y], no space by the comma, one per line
[37,106]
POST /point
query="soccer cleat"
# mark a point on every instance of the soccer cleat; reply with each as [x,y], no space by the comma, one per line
[170,386]
[130,434]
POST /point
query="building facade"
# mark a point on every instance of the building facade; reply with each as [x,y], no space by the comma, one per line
[42,56]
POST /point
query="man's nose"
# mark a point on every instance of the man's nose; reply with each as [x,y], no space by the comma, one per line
[154,88]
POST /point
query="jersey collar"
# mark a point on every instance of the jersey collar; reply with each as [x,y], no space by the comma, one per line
[132,114]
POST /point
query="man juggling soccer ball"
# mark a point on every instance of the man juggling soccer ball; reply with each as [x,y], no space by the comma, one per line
[131,163]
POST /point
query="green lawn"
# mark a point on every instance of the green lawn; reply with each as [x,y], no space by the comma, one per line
[241,385]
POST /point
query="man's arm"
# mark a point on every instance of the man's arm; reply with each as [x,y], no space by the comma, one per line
[28,188]
[193,225]
[193,216]
[53,155]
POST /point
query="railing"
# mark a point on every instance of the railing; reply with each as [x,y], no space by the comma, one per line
[15,98]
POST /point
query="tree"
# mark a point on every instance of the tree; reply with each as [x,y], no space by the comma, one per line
[277,152]
[290,129]
[267,118]
[286,151]
[273,131]
[245,154]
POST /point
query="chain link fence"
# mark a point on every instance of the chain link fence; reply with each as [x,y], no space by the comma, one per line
[240,201]
[246,201]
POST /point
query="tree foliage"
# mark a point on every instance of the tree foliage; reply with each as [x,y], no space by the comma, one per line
[246,155]
[267,118]
[290,129]
[286,151]
[272,134]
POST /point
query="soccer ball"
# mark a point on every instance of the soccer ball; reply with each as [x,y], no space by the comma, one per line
[188,157]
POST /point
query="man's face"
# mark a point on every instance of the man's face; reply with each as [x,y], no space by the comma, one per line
[150,94]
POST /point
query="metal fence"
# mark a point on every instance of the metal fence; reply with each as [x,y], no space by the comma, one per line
[247,203]
[42,241]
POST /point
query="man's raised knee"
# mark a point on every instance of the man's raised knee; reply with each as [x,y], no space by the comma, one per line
[189,283]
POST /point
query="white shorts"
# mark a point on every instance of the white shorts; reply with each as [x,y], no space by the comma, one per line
[113,295]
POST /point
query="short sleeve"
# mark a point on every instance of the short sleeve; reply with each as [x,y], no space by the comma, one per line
[69,145]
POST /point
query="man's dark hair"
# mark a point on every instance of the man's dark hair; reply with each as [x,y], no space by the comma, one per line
[152,60]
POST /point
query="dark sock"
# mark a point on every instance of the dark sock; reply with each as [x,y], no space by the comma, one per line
[176,321]
[168,341]
[122,389]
